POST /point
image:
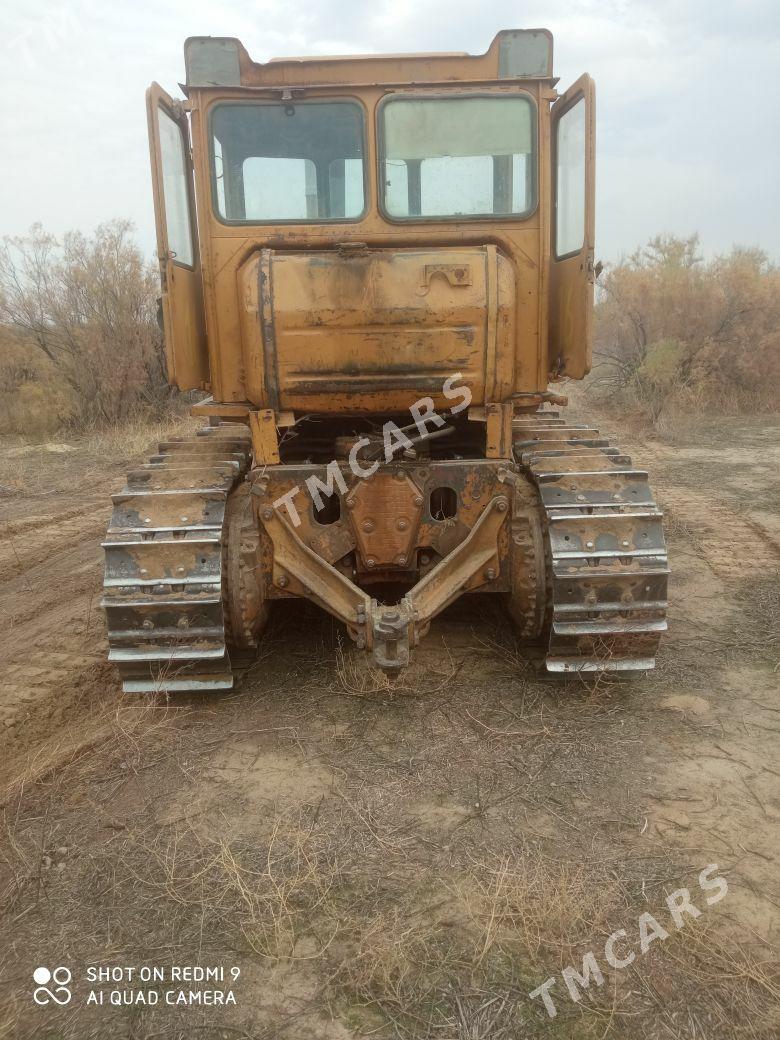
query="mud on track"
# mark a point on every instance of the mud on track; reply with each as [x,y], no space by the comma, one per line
[406,862]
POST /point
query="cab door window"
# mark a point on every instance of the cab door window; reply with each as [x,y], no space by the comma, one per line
[175,190]
[570,181]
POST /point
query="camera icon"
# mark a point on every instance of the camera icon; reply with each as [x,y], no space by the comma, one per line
[59,993]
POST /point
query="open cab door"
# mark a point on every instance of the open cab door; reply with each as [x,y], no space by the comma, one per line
[572,275]
[177,242]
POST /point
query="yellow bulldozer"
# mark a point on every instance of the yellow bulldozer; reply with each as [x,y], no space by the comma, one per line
[373,267]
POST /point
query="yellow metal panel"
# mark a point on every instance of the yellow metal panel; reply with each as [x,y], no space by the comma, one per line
[231,257]
[496,63]
[265,442]
[498,434]
[375,329]
[182,290]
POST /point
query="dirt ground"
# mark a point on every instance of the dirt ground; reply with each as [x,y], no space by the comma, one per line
[406,861]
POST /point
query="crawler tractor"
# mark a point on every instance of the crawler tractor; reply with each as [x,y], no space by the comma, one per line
[373,268]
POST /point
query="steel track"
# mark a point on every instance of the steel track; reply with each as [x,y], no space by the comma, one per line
[163,585]
[607,562]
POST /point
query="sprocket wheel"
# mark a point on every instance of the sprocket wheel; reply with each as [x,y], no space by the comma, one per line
[528,600]
[246,610]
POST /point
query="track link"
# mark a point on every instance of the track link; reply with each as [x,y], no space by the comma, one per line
[162,590]
[607,562]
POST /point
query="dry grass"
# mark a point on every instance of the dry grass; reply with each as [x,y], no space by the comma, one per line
[459,958]
[41,465]
[532,907]
[122,731]
[140,436]
[760,603]
[463,966]
[446,949]
[274,896]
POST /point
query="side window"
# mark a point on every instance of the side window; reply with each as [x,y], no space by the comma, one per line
[175,193]
[570,181]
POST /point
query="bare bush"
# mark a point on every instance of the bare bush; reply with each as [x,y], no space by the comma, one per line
[675,331]
[79,319]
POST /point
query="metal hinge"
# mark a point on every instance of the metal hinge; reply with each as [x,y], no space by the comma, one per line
[594,269]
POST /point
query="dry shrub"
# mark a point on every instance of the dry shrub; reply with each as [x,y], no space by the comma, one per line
[463,968]
[535,908]
[79,319]
[500,930]
[31,396]
[272,894]
[676,334]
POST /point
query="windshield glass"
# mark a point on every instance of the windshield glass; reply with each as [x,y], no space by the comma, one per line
[458,157]
[287,162]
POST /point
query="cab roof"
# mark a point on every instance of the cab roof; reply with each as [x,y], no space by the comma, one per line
[218,61]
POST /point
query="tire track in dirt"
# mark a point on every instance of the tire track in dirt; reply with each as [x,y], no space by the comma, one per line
[52,640]
[25,545]
[733,545]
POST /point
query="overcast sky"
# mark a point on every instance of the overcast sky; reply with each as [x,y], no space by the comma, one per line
[688,99]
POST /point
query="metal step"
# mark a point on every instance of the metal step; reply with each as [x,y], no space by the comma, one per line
[599,664]
[603,628]
[224,681]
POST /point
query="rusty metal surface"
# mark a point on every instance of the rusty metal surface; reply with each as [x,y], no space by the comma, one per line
[394,633]
[441,559]
[529,594]
[299,570]
[385,512]
[265,442]
[164,563]
[474,562]
[513,270]
[474,482]
[498,424]
[374,329]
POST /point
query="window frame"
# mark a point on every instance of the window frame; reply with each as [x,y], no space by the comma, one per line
[578,97]
[424,95]
[355,102]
